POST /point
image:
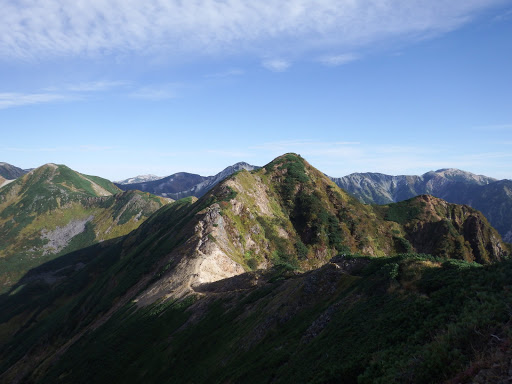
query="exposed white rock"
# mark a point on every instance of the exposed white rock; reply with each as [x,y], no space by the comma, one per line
[204,258]
[60,237]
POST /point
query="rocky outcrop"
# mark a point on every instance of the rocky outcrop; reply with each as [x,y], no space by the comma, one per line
[204,258]
[449,230]
[60,237]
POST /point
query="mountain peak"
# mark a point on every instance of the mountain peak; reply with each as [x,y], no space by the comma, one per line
[10,172]
[139,179]
[184,184]
[458,175]
[54,208]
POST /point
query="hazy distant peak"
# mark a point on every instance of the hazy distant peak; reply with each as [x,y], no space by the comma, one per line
[183,184]
[11,172]
[139,179]
[460,175]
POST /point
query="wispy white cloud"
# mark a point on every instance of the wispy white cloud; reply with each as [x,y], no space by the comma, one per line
[228,73]
[505,16]
[67,92]
[276,65]
[9,100]
[35,29]
[95,86]
[337,60]
[157,92]
[81,148]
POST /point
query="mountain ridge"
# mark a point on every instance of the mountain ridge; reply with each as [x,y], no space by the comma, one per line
[260,271]
[53,209]
[184,184]
[139,179]
[11,172]
[451,184]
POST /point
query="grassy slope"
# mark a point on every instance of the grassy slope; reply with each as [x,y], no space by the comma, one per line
[311,220]
[51,197]
[402,319]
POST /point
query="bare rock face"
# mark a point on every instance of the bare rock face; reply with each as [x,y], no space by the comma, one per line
[59,238]
[203,259]
[214,262]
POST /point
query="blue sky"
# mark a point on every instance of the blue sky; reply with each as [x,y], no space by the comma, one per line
[119,88]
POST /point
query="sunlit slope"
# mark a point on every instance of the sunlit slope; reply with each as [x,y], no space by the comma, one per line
[54,210]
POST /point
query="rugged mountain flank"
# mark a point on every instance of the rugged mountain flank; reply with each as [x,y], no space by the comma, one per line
[490,196]
[493,200]
[434,226]
[182,184]
[378,188]
[255,282]
[54,210]
[10,172]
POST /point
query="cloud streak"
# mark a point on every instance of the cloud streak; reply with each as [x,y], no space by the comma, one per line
[93,28]
[10,100]
[74,149]
[96,86]
[337,60]
[276,65]
[53,94]
[159,92]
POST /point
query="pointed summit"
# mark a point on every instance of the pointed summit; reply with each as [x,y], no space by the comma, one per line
[290,215]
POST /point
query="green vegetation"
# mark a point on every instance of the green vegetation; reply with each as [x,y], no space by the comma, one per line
[408,318]
[402,212]
[52,198]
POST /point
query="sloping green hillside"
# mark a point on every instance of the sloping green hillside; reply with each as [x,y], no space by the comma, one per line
[410,318]
[54,210]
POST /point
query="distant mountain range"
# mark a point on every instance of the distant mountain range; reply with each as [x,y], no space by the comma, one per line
[182,184]
[490,196]
[138,179]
